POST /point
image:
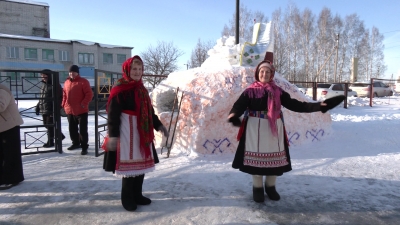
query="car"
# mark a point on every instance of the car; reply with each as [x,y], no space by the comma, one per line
[329,90]
[397,86]
[301,88]
[379,89]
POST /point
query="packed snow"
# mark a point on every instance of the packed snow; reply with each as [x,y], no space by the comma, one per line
[350,177]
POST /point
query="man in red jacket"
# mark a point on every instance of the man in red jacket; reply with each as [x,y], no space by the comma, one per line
[77,95]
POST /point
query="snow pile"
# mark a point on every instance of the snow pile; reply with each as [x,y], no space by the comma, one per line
[210,91]
[208,95]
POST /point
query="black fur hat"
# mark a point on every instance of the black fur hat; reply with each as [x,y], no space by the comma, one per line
[74,68]
[46,71]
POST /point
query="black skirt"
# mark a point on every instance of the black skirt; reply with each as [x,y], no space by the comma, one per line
[11,171]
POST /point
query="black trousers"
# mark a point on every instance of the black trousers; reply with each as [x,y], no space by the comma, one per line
[79,135]
[11,171]
[48,119]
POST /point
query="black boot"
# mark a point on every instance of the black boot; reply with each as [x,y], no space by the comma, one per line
[272,194]
[127,198]
[139,198]
[46,145]
[49,143]
[258,194]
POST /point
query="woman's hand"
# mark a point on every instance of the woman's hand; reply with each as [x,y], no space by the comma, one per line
[234,120]
[112,144]
[163,130]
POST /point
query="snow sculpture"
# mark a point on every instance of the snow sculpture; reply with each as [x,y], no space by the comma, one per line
[209,93]
[253,53]
[224,54]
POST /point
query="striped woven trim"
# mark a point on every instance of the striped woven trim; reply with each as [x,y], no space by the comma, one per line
[260,114]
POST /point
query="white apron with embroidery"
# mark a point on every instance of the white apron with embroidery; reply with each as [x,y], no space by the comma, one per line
[262,148]
[132,163]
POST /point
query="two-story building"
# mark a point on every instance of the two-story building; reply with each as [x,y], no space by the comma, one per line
[25,44]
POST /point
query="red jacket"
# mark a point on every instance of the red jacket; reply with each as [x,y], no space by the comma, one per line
[77,95]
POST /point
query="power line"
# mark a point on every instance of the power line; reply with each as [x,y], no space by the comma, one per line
[390,31]
[393,46]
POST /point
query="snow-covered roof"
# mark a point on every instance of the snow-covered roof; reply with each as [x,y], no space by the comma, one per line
[29,2]
[101,45]
[34,38]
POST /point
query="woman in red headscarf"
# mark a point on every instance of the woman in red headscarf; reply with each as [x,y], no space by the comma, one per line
[263,148]
[130,151]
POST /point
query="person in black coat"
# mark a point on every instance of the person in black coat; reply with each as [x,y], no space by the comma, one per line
[263,146]
[45,105]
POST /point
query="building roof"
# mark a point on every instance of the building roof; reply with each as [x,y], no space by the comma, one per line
[29,2]
[34,38]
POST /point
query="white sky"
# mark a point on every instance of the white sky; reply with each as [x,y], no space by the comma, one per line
[351,177]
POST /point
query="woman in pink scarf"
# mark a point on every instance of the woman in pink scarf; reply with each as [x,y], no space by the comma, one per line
[263,148]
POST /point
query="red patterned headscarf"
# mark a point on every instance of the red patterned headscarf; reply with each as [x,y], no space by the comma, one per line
[259,90]
[142,104]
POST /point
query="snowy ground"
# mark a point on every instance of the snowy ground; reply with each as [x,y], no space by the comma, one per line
[352,177]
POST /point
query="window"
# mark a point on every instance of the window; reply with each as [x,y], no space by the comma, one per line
[360,85]
[337,87]
[63,75]
[64,55]
[86,58]
[107,58]
[121,58]
[12,52]
[31,53]
[30,76]
[14,75]
[48,55]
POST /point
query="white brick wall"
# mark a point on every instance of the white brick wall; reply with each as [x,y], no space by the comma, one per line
[17,18]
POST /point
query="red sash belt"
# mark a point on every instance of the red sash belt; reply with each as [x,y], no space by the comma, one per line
[260,114]
[130,112]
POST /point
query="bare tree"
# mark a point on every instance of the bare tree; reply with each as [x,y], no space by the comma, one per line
[325,45]
[377,67]
[310,48]
[199,54]
[350,39]
[306,24]
[160,60]
[364,57]
[292,33]
[247,18]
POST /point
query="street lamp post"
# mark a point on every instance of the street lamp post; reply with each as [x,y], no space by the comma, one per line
[337,52]
[237,22]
